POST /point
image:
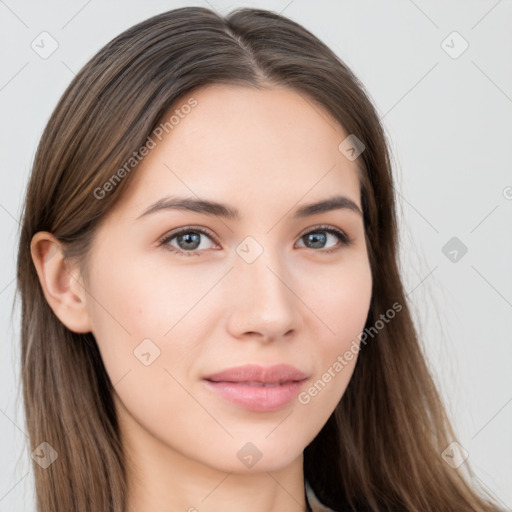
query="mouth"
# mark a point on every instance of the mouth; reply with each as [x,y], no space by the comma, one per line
[257,388]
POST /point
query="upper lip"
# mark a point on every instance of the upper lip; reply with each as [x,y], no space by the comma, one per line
[278,373]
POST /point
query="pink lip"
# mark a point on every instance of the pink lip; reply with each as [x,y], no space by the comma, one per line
[244,386]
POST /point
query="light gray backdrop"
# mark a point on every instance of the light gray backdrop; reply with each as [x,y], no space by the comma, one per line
[448,112]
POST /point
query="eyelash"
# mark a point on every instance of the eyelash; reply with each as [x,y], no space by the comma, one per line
[342,237]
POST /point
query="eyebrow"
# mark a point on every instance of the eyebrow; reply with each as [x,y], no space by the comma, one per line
[217,209]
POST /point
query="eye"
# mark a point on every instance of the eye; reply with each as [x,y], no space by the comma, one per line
[188,240]
[320,236]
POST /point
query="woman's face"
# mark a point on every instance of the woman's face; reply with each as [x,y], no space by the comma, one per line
[269,286]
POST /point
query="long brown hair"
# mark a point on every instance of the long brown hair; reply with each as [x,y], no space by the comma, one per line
[381,449]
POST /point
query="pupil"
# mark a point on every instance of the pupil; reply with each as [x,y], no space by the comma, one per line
[189,238]
[318,239]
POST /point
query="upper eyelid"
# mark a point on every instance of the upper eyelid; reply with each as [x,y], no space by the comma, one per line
[321,227]
[186,229]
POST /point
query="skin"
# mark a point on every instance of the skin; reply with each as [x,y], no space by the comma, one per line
[265,152]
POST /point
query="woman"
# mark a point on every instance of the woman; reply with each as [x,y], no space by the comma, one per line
[212,314]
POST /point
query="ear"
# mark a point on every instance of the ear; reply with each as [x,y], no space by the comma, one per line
[61,283]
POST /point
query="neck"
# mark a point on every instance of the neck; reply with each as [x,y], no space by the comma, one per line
[177,483]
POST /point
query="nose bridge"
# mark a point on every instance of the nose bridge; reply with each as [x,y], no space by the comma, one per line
[263,301]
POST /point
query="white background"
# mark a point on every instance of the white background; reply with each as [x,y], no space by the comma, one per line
[450,125]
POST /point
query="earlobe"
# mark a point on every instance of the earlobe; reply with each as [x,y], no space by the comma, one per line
[61,284]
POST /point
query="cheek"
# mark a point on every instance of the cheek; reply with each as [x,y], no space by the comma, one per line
[134,306]
[342,304]
[341,299]
[144,317]
[135,299]
[151,297]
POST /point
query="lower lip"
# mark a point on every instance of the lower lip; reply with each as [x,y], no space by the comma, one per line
[257,398]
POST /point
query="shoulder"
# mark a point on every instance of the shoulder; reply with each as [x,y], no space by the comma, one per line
[314,502]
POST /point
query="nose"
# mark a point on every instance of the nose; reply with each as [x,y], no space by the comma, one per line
[262,305]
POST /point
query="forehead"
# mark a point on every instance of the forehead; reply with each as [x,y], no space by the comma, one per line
[243,144]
